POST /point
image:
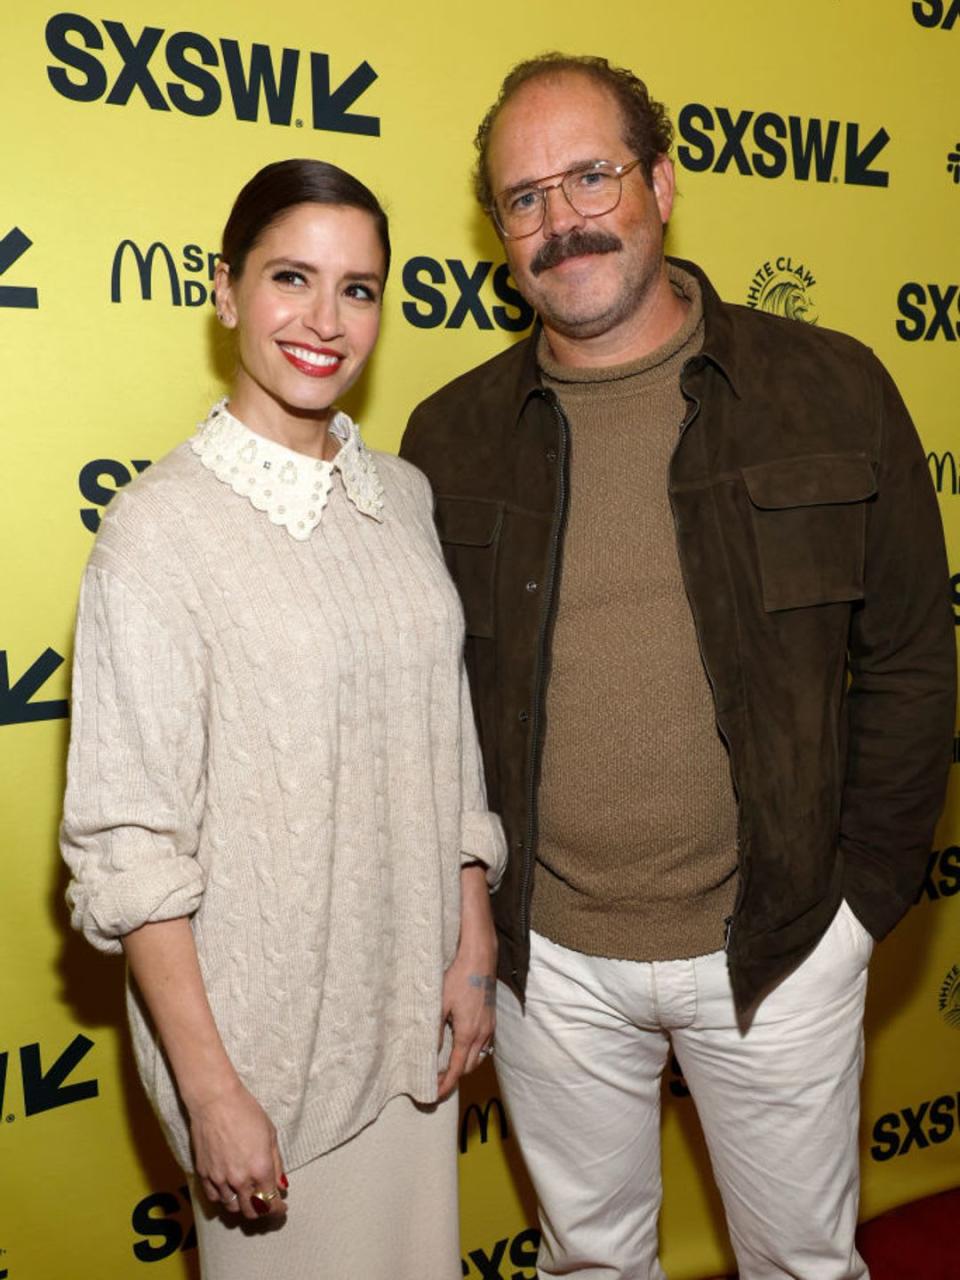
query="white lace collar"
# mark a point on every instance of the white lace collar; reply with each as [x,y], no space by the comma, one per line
[290,487]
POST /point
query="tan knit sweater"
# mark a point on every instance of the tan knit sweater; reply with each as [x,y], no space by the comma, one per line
[637,844]
[272,735]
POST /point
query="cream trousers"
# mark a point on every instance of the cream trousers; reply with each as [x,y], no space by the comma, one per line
[779,1104]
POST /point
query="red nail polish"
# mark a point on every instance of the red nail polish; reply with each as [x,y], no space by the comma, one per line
[283,1181]
[259,1206]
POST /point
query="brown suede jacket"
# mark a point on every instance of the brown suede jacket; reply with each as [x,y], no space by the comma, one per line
[811,547]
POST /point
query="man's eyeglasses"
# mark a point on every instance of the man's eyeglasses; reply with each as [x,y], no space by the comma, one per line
[590,189]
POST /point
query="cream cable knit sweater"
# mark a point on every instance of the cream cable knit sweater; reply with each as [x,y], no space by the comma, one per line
[274,737]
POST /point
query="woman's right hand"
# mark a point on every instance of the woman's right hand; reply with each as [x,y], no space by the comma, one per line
[235,1152]
[234,1144]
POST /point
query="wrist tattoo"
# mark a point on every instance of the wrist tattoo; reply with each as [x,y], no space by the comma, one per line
[488,984]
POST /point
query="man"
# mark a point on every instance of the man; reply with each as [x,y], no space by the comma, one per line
[676,526]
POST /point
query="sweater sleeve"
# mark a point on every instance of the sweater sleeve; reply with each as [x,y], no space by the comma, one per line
[481,832]
[135,770]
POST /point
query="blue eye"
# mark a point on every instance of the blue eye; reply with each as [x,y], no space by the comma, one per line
[524,201]
[594,179]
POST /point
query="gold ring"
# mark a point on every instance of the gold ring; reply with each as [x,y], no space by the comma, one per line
[261,1200]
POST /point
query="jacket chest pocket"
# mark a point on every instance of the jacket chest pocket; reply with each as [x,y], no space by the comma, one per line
[469,531]
[809,519]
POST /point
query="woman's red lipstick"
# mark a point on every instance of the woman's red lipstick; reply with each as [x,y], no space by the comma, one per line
[315,362]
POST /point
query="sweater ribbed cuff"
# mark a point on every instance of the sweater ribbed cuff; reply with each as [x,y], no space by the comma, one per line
[482,840]
[115,906]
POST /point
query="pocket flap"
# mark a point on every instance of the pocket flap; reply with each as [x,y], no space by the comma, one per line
[468,522]
[817,480]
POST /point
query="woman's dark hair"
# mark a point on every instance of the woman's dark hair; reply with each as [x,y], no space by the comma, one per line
[278,187]
[647,130]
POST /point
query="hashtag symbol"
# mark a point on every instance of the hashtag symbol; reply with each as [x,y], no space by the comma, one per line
[953,164]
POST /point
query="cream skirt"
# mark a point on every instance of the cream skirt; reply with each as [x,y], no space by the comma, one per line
[384,1204]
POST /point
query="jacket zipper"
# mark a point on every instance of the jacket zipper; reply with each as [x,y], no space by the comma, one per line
[546,619]
[691,414]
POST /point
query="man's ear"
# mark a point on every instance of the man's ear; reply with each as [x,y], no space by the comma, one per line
[663,182]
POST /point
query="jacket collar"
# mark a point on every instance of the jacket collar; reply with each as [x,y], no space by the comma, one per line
[719,342]
[719,346]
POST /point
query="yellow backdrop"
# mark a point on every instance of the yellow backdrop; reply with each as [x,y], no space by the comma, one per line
[819,171]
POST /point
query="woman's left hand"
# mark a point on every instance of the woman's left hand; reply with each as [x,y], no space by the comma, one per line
[470,984]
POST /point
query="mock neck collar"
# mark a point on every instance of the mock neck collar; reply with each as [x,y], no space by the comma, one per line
[642,370]
[718,349]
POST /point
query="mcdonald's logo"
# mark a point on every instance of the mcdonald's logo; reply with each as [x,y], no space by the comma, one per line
[183,293]
[482,1115]
[943,470]
[144,263]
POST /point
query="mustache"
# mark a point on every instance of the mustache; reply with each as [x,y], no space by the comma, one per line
[572,245]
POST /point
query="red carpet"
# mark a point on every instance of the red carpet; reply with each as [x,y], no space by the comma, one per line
[915,1242]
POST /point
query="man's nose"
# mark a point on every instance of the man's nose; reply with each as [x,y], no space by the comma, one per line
[559,215]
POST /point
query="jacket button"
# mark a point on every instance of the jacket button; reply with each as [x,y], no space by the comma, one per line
[551,455]
[532,586]
[523,717]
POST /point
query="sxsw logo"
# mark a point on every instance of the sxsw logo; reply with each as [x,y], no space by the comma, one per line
[164,1222]
[931,1122]
[92,475]
[44,1090]
[942,877]
[501,1260]
[928,311]
[768,145]
[12,247]
[936,13]
[183,63]
[424,277]
[18,705]
[192,291]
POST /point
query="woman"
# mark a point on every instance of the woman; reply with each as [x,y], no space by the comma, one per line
[275,805]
